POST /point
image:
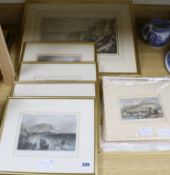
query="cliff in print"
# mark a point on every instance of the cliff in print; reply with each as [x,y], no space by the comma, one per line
[102,31]
[53,132]
[141,108]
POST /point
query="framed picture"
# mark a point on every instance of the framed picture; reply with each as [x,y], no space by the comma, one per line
[109,25]
[54,89]
[61,51]
[52,71]
[136,110]
[48,135]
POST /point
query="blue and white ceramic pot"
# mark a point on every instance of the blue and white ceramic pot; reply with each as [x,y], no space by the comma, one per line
[167,61]
[157,32]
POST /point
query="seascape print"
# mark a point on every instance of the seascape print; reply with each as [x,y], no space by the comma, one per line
[102,31]
[53,132]
[46,58]
[141,108]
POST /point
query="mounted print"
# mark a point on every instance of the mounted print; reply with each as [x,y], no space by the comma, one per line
[47,132]
[136,109]
[141,108]
[58,51]
[107,25]
[48,135]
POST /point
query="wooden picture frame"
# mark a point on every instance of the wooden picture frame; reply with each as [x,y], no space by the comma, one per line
[52,71]
[58,51]
[39,156]
[53,89]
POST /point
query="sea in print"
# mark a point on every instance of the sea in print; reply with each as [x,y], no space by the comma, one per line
[45,58]
[141,108]
[53,132]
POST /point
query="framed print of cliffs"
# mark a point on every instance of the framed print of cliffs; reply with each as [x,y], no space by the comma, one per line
[49,136]
[107,25]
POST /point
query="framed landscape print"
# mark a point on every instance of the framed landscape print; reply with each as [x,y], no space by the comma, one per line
[61,51]
[48,135]
[107,25]
[52,71]
[54,89]
[136,110]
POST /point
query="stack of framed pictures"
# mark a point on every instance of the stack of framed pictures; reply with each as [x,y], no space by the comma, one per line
[52,104]
[44,61]
[136,109]
[107,24]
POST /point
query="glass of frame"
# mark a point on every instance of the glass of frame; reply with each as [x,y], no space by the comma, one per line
[46,51]
[107,25]
[48,135]
[137,109]
[52,71]
[53,89]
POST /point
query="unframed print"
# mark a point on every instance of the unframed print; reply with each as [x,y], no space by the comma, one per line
[132,107]
[141,108]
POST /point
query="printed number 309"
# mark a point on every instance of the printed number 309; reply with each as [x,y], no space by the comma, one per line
[85,164]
